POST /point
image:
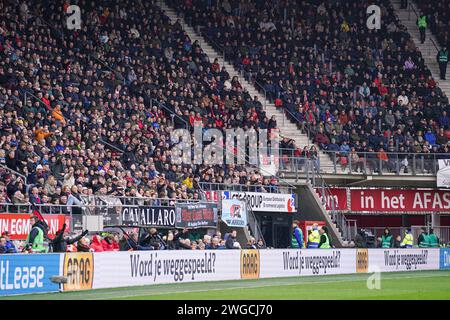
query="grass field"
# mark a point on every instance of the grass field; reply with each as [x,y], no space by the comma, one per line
[400,285]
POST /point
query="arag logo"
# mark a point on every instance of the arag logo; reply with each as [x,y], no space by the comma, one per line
[79,270]
[362,260]
[250,264]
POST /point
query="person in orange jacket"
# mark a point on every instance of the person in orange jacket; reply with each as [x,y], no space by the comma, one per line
[57,114]
[42,133]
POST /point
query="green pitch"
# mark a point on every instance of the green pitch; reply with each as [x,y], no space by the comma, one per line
[400,285]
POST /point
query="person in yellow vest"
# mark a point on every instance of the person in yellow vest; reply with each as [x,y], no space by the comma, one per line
[407,240]
[314,237]
[422,24]
[35,239]
[324,238]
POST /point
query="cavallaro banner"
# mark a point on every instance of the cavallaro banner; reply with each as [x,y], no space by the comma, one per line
[234,213]
[196,215]
[148,216]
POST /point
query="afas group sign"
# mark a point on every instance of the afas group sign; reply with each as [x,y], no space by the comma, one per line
[387,200]
[265,202]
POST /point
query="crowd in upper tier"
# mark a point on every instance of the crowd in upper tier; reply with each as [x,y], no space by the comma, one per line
[356,90]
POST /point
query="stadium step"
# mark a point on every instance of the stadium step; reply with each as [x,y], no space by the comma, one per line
[286,126]
[428,49]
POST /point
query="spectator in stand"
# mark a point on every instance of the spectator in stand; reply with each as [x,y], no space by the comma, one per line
[231,240]
[83,245]
[109,243]
[96,244]
[10,247]
[3,247]
[59,243]
[251,244]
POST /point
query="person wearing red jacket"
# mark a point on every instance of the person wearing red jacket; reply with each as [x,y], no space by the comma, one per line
[108,243]
[96,244]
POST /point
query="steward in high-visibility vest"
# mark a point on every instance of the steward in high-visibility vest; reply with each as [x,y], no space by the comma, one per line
[314,237]
[324,238]
[387,240]
[297,236]
[423,239]
[422,24]
[442,59]
[433,240]
[422,21]
[35,239]
[407,240]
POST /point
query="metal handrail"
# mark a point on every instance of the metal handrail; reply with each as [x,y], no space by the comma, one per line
[110,145]
[216,186]
[15,172]
[172,113]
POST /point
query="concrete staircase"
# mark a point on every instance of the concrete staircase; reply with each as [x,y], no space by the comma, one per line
[408,18]
[287,128]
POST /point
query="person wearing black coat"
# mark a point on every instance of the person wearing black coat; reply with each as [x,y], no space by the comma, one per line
[229,243]
[59,243]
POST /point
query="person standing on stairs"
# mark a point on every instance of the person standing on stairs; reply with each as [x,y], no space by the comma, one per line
[442,60]
[404,4]
[422,24]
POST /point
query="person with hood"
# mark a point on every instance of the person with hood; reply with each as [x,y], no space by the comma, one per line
[59,243]
[387,240]
[108,243]
[96,244]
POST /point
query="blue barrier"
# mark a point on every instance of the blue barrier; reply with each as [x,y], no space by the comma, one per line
[28,273]
[444,260]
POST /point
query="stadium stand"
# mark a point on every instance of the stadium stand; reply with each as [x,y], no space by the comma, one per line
[357,90]
[90,111]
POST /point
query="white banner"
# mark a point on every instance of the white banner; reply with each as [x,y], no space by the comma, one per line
[268,202]
[119,269]
[388,260]
[308,262]
[234,213]
[443,174]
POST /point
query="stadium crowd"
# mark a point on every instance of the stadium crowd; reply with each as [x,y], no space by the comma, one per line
[355,90]
[38,240]
[90,111]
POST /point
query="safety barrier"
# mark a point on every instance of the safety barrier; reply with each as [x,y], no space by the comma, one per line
[33,273]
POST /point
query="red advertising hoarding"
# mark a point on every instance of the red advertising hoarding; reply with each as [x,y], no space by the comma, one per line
[339,195]
[18,224]
[399,200]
